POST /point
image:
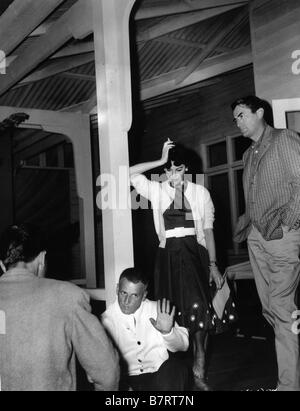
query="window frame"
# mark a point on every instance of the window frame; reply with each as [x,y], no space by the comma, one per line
[230,168]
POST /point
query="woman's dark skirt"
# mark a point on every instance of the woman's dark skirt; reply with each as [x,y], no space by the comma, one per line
[182,276]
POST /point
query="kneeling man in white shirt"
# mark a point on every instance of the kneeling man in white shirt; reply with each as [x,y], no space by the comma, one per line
[145,332]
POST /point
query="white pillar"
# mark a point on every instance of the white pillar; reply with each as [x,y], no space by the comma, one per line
[112,55]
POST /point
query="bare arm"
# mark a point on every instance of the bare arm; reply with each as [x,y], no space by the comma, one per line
[211,248]
[143,167]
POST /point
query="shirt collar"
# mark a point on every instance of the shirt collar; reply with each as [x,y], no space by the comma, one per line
[17,273]
[256,144]
[133,316]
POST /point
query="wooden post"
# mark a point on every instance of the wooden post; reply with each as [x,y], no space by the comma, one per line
[112,54]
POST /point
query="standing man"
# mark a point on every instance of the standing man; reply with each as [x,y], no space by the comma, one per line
[271,224]
[144,331]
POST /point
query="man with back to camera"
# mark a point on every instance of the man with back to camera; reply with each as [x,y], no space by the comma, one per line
[44,323]
[144,331]
[271,223]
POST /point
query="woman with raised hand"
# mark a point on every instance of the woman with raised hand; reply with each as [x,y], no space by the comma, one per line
[186,260]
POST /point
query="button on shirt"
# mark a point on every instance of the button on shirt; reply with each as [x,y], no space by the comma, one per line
[143,347]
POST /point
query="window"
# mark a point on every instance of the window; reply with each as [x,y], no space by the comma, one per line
[217,154]
[223,168]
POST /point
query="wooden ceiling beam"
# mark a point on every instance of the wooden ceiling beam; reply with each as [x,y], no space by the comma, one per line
[192,44]
[73,50]
[57,67]
[75,23]
[80,48]
[210,68]
[21,18]
[197,60]
[170,24]
[179,6]
[74,107]
[78,76]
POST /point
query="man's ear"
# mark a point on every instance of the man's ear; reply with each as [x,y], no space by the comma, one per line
[260,113]
[117,289]
[145,295]
[42,257]
[41,264]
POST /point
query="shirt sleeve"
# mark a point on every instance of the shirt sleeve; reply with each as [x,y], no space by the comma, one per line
[109,326]
[289,151]
[93,347]
[142,185]
[177,339]
[209,210]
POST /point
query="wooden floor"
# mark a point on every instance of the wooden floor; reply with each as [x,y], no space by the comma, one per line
[241,363]
[244,359]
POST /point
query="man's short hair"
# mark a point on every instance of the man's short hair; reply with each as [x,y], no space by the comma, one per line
[134,275]
[252,102]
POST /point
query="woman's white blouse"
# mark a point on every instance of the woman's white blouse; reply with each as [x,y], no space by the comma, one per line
[162,195]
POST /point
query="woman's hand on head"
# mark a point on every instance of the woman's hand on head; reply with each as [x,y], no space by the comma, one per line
[165,151]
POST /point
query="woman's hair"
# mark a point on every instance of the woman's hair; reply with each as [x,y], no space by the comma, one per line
[183,155]
[21,244]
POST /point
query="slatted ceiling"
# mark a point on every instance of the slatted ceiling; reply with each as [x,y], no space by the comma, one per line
[24,45]
[53,93]
[202,32]
[88,69]
[163,58]
[142,25]
[71,92]
[197,117]
[178,94]
[59,11]
[237,39]
[56,90]
[158,57]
